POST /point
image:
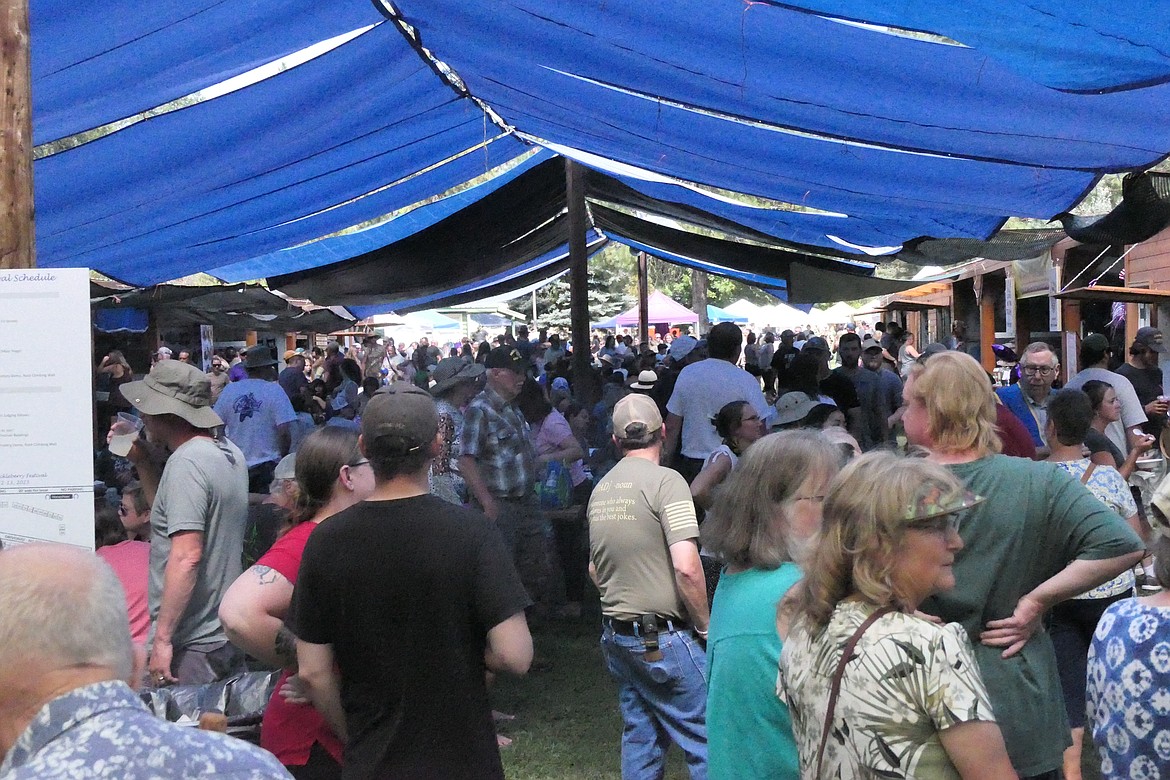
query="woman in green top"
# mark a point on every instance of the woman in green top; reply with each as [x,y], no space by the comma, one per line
[764,515]
[1039,539]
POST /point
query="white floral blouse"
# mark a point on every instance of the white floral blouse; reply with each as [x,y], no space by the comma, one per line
[909,680]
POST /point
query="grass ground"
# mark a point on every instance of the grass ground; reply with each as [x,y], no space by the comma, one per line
[567,725]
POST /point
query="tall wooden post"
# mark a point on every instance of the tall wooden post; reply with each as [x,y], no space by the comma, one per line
[17,249]
[643,306]
[699,300]
[583,389]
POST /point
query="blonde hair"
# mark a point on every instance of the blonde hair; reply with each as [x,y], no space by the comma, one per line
[959,402]
[861,535]
[748,525]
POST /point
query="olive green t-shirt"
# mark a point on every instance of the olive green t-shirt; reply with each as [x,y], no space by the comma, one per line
[1035,521]
[635,513]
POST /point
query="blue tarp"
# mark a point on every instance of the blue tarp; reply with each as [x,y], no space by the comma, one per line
[343,247]
[1085,46]
[716,314]
[93,63]
[782,104]
[903,136]
[224,181]
[125,320]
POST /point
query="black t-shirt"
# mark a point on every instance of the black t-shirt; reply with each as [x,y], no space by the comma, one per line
[1099,442]
[1147,383]
[405,591]
[841,389]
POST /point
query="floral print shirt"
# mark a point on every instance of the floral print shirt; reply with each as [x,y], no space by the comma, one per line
[1111,489]
[909,680]
[103,731]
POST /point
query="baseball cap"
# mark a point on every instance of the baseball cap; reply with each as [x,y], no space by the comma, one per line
[506,357]
[816,342]
[404,412]
[1096,342]
[635,416]
[681,347]
[286,468]
[289,354]
[933,348]
[1150,338]
[869,343]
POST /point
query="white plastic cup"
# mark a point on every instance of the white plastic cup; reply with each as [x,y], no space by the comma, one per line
[124,432]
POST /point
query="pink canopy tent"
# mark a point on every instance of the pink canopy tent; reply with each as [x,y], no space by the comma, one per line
[659,308]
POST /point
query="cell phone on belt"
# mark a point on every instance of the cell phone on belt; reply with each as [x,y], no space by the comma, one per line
[650,637]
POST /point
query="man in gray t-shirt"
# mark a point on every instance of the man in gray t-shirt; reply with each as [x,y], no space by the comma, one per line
[199,507]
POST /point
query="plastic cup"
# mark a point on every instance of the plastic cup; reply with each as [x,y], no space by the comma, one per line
[124,432]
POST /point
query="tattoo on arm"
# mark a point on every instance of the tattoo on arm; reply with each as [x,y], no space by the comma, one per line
[265,575]
[286,648]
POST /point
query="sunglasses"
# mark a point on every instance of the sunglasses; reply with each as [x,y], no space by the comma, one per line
[942,524]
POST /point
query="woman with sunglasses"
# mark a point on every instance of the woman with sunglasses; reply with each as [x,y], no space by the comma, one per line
[332,475]
[739,426]
[904,696]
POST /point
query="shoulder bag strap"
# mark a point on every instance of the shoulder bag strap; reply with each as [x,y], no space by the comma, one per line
[1088,473]
[835,688]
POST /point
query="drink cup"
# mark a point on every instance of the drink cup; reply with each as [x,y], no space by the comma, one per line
[123,434]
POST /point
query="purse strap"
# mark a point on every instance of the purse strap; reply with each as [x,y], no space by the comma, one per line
[835,688]
[1088,473]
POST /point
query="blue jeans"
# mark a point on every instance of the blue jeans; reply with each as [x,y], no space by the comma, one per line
[660,701]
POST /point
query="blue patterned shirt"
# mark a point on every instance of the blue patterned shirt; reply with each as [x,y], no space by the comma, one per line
[104,730]
[496,434]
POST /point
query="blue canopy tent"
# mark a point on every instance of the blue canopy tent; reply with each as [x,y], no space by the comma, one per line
[716,314]
[852,140]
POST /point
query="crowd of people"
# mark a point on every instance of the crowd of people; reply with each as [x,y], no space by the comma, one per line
[784,592]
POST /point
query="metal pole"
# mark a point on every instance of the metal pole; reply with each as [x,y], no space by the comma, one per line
[579,283]
[17,243]
[643,295]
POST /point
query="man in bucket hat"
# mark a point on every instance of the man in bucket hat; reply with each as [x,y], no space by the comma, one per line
[199,504]
[257,414]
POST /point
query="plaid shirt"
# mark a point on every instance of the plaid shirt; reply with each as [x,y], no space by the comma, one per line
[497,436]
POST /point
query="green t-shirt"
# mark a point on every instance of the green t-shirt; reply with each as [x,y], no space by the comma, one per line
[635,513]
[743,650]
[1035,521]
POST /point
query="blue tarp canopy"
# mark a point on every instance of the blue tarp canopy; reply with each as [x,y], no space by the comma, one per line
[788,119]
[715,314]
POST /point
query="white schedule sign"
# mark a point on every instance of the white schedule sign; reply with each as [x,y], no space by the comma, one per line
[46,407]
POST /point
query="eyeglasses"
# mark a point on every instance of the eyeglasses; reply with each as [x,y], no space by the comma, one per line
[361,462]
[943,524]
[122,510]
[1041,370]
[814,499]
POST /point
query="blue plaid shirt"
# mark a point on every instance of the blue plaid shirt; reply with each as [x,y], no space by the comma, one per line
[496,434]
[104,731]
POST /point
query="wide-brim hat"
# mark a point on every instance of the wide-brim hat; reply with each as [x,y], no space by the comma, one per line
[645,381]
[793,407]
[259,356]
[174,387]
[452,371]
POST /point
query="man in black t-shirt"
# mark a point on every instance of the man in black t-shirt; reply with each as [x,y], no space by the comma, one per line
[402,604]
[1144,373]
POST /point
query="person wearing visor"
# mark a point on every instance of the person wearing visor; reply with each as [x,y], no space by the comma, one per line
[905,697]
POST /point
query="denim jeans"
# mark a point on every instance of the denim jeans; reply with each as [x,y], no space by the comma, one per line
[660,701]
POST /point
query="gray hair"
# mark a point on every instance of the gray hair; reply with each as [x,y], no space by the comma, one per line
[57,611]
[748,524]
[1037,347]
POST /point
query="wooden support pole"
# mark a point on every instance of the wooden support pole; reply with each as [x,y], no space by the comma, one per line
[643,295]
[583,389]
[17,248]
